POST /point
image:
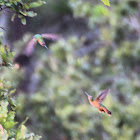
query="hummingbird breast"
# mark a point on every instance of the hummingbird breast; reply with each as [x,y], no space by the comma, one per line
[95,104]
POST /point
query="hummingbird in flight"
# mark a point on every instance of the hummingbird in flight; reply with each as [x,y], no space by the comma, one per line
[97,102]
[23,59]
[40,40]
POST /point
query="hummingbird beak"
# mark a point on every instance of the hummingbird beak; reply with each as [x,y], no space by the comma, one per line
[86,93]
[45,46]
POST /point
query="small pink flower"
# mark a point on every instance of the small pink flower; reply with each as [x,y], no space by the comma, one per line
[16,66]
[1,85]
[1,129]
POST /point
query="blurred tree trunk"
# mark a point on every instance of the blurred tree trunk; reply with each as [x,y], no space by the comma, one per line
[3,25]
[16,30]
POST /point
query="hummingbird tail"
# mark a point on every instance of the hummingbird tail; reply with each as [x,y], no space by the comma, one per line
[109,112]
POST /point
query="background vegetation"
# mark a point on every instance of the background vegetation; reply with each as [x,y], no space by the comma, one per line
[98,49]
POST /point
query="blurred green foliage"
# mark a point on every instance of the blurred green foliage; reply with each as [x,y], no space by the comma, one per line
[6,56]
[8,125]
[9,128]
[95,13]
[20,8]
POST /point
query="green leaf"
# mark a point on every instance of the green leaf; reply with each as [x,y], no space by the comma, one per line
[31,14]
[11,116]
[24,121]
[20,16]
[12,102]
[26,6]
[21,132]
[23,13]
[11,92]
[23,21]
[106,2]
[8,4]
[13,17]
[35,4]
[2,50]
[15,8]
[8,125]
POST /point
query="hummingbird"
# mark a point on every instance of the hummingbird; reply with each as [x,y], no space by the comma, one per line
[23,58]
[97,102]
[40,40]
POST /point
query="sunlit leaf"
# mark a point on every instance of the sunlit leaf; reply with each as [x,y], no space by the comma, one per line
[106,2]
[31,14]
[35,4]
[23,21]
[8,125]
[13,17]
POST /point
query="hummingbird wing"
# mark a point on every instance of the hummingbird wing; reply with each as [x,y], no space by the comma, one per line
[30,46]
[102,95]
[51,36]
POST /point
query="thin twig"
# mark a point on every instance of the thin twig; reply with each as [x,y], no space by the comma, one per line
[2,28]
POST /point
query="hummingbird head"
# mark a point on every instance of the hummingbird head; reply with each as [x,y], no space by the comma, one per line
[89,96]
[37,36]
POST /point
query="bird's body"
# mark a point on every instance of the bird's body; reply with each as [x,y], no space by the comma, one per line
[40,40]
[97,102]
[94,103]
